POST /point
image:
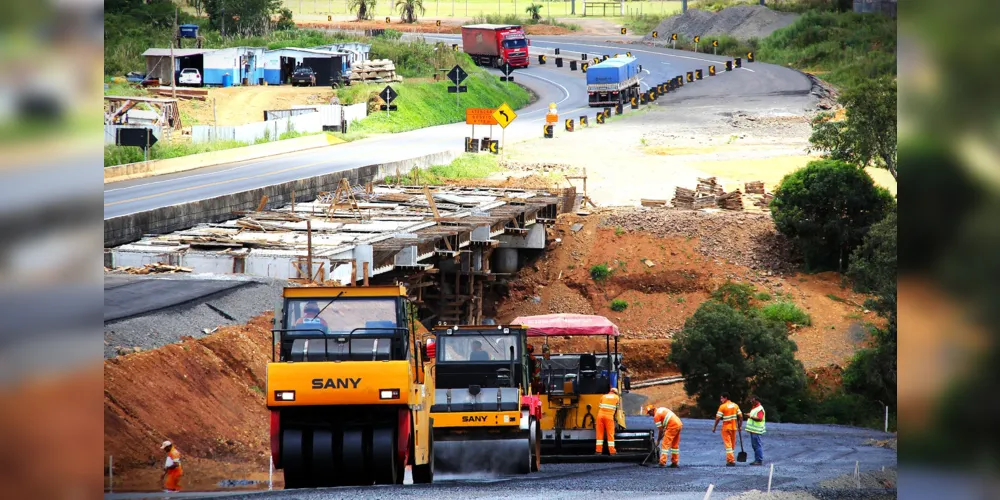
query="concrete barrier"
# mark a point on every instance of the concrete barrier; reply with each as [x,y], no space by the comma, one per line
[150,168]
[128,228]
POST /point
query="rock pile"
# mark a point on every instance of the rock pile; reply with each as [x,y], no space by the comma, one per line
[742,21]
[374,71]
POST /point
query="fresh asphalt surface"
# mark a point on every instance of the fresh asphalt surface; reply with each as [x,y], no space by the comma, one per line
[551,84]
[803,456]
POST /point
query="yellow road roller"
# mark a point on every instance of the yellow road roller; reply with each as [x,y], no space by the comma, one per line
[348,391]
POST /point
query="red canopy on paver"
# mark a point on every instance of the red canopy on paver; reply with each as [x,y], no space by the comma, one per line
[567,324]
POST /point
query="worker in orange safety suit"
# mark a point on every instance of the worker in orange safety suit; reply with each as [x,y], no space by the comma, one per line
[172,471]
[669,425]
[732,422]
[606,420]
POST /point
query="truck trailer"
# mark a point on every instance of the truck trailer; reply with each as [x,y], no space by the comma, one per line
[494,44]
[613,82]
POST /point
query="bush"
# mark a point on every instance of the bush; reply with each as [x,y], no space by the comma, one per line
[735,295]
[618,305]
[741,354]
[873,265]
[763,296]
[827,208]
[785,313]
[600,272]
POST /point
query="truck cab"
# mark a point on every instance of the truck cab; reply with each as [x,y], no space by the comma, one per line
[495,44]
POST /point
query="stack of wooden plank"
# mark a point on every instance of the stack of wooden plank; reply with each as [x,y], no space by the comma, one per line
[183,93]
[375,71]
[754,187]
[155,268]
[683,198]
[709,186]
[731,201]
[763,200]
[703,200]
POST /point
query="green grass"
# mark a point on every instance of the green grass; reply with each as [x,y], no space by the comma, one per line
[763,296]
[785,312]
[120,155]
[600,272]
[618,305]
[619,230]
[836,298]
[425,104]
[841,48]
[467,166]
[641,24]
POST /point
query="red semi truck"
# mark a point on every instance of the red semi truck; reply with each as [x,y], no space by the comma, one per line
[493,44]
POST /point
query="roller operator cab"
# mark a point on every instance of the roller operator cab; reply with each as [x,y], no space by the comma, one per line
[573,385]
[348,391]
[613,82]
[485,417]
[494,44]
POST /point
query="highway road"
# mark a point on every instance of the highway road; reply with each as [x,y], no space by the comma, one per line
[804,457]
[560,85]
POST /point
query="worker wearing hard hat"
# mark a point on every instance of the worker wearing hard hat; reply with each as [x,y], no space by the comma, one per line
[756,427]
[669,425]
[172,472]
[732,422]
[606,420]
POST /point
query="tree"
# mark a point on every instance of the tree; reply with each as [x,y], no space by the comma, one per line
[244,18]
[364,9]
[535,11]
[285,21]
[721,350]
[198,5]
[873,267]
[408,9]
[867,136]
[826,208]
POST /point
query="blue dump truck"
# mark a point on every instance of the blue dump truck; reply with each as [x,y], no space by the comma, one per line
[614,81]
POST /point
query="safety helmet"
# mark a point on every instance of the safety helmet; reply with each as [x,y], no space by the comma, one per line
[650,410]
[552,105]
[614,390]
[166,444]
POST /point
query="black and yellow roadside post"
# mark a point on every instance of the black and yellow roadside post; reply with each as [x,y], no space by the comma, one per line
[697,74]
[750,57]
[547,130]
[690,76]
[388,20]
[623,31]
[600,118]
[673,40]
[643,98]
[739,62]
[619,109]
[583,67]
[715,45]
[607,112]
[729,65]
[711,70]
[454,47]
[495,147]
[569,124]
[653,94]
[559,62]
[541,58]
[583,120]
[572,65]
[656,34]
[697,40]
[634,102]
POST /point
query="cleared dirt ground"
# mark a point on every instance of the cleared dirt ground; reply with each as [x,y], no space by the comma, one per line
[241,105]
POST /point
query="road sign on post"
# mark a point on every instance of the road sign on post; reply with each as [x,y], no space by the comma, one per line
[388,95]
[457,75]
[507,69]
[503,116]
[479,116]
[141,137]
[656,34]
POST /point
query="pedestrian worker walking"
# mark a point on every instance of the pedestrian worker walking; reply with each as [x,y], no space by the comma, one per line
[732,422]
[172,472]
[756,428]
[606,420]
[669,425]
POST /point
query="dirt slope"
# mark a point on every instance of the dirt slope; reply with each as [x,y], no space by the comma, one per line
[687,265]
[206,395]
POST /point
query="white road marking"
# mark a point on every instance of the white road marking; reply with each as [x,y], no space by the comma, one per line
[748,69]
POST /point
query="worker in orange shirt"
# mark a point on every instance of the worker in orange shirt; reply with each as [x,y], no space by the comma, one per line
[606,420]
[732,422]
[669,425]
[172,472]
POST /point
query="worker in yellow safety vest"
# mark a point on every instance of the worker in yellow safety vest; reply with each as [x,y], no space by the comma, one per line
[669,425]
[553,115]
[732,422]
[756,428]
[606,420]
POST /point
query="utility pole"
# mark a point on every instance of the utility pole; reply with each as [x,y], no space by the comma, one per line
[173,64]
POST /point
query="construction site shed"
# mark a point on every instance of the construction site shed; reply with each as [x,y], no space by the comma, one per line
[158,62]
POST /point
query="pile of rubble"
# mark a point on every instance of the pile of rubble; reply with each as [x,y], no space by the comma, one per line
[155,268]
[375,71]
[745,238]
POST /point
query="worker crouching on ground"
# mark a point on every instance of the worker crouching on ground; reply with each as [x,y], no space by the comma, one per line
[606,421]
[669,425]
[756,428]
[172,472]
[732,422]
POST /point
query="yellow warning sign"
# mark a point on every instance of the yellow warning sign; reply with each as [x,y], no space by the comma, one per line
[504,115]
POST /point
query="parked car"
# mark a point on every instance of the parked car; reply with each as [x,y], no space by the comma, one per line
[303,76]
[189,76]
